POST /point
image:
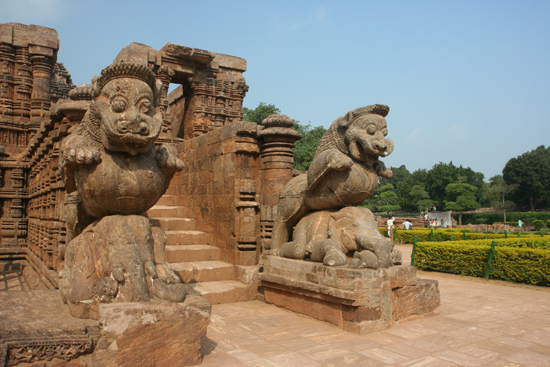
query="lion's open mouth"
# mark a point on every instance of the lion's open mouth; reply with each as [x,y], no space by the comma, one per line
[357,150]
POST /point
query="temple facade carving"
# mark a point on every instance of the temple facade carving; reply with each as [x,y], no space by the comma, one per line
[113,192]
[233,171]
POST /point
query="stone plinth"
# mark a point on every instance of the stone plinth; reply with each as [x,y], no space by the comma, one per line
[153,333]
[359,301]
[36,326]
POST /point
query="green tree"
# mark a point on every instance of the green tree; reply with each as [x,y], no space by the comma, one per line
[538,224]
[531,173]
[443,174]
[496,192]
[411,191]
[399,175]
[387,200]
[437,180]
[420,198]
[461,197]
[305,148]
[259,113]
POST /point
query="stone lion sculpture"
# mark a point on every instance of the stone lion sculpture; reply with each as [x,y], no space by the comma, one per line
[113,174]
[343,173]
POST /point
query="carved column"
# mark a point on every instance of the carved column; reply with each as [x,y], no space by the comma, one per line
[42,68]
[277,159]
[165,75]
[247,209]
[7,58]
[23,84]
[14,226]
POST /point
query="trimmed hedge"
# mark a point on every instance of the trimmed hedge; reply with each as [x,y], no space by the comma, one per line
[456,234]
[512,217]
[517,260]
[541,243]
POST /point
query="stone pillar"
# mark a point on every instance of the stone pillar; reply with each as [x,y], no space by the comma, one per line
[165,75]
[13,227]
[23,84]
[42,68]
[277,159]
[7,58]
[246,218]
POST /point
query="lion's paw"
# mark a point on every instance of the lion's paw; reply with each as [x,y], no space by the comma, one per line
[338,161]
[167,157]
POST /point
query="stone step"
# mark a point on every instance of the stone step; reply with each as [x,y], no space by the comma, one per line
[204,271]
[225,291]
[191,253]
[166,211]
[171,200]
[189,237]
[174,224]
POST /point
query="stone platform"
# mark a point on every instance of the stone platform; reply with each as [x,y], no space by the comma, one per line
[153,333]
[36,327]
[358,301]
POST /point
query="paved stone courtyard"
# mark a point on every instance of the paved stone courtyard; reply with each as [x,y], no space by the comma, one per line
[481,323]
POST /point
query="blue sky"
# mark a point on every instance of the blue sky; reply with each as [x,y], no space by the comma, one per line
[466,81]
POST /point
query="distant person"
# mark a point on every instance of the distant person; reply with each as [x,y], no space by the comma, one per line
[390,225]
[520,223]
[407,225]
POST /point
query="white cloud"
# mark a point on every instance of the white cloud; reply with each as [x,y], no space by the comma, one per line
[37,12]
[318,16]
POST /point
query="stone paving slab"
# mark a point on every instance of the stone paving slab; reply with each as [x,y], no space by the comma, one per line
[482,323]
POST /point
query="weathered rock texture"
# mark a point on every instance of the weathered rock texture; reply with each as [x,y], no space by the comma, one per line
[153,334]
[218,213]
[38,327]
[112,174]
[359,301]
[228,191]
[227,195]
[343,173]
[27,58]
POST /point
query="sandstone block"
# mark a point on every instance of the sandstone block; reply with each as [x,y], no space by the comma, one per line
[157,334]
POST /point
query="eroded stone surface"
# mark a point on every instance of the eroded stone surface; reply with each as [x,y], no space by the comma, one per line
[113,173]
[154,333]
[36,326]
[344,172]
[357,300]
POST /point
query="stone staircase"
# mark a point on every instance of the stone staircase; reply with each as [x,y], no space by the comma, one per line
[193,258]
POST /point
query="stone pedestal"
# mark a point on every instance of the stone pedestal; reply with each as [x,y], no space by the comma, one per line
[35,327]
[153,333]
[358,301]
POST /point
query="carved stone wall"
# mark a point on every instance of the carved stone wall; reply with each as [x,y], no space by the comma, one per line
[231,181]
[234,169]
[45,241]
[210,86]
[27,58]
[221,186]
[61,83]
[46,232]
